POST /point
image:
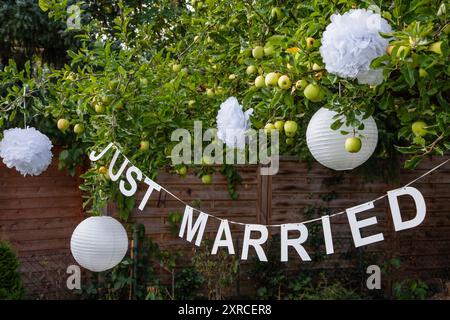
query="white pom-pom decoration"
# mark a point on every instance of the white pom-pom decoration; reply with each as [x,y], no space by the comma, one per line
[328,146]
[232,123]
[99,243]
[28,150]
[351,41]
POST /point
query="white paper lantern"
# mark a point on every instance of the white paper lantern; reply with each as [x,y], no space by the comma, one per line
[328,146]
[99,243]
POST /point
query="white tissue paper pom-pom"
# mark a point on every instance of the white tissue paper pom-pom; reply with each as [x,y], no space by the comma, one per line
[351,41]
[232,123]
[28,150]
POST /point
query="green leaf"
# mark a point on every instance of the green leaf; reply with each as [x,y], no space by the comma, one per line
[64,155]
[408,74]
[336,124]
[44,5]
[413,162]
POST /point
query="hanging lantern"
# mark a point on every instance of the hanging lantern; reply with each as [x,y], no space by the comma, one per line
[99,243]
[328,146]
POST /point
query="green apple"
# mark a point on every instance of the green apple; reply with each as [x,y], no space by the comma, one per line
[301,84]
[313,92]
[219,90]
[269,50]
[176,67]
[279,125]
[99,108]
[143,82]
[206,179]
[106,100]
[272,79]
[284,82]
[250,70]
[289,141]
[119,105]
[232,76]
[209,93]
[389,49]
[182,171]
[258,52]
[353,144]
[316,67]
[436,47]
[268,128]
[207,160]
[63,124]
[423,73]
[112,85]
[144,145]
[260,82]
[418,128]
[78,128]
[276,13]
[310,42]
[290,128]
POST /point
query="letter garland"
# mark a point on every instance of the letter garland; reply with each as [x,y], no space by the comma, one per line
[191,229]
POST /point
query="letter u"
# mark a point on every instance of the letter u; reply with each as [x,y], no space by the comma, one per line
[115,177]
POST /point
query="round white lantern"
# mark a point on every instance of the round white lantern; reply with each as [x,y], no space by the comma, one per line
[328,146]
[99,243]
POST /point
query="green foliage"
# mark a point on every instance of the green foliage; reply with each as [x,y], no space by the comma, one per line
[27,30]
[11,287]
[218,271]
[305,288]
[119,82]
[410,290]
[233,179]
[270,278]
[188,283]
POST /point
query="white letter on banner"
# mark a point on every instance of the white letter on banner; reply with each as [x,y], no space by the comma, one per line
[115,177]
[93,157]
[294,242]
[133,185]
[255,243]
[152,185]
[355,225]
[224,228]
[326,226]
[421,209]
[199,225]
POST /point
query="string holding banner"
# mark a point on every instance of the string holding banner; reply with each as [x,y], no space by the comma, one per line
[191,229]
[113,144]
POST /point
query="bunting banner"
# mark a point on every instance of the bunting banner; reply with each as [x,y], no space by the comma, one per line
[255,235]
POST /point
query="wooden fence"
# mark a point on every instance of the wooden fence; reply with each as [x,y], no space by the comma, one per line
[38,215]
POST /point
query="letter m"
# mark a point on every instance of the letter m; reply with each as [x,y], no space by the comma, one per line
[199,226]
